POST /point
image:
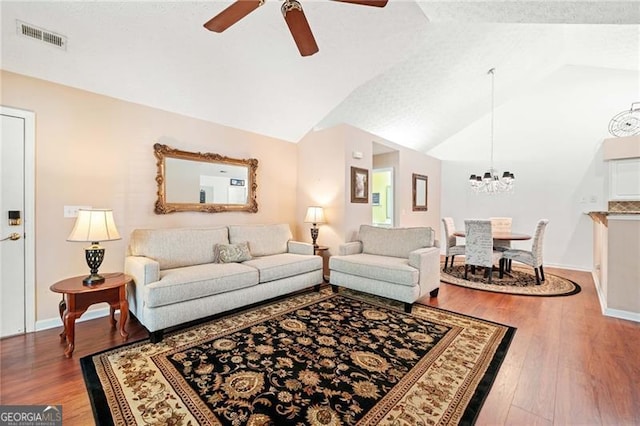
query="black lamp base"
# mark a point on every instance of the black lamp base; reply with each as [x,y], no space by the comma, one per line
[93,279]
[94,255]
[314,235]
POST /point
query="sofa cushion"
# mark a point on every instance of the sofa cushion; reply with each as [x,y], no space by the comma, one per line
[192,282]
[264,240]
[396,242]
[284,265]
[177,247]
[382,268]
[227,253]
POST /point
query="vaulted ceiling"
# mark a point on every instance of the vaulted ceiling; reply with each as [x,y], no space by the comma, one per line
[412,72]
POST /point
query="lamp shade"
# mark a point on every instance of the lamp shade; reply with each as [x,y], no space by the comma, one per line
[315,214]
[93,226]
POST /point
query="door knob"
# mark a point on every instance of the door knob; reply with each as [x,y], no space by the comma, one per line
[13,237]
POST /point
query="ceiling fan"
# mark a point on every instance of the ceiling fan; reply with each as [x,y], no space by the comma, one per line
[293,15]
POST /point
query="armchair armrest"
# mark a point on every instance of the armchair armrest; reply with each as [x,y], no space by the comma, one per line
[144,270]
[427,261]
[353,247]
[297,247]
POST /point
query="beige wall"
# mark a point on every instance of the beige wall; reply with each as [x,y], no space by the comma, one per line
[356,140]
[322,183]
[623,282]
[98,151]
[616,271]
[325,159]
[412,162]
[618,148]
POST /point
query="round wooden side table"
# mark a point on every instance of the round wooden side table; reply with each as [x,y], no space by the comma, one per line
[77,297]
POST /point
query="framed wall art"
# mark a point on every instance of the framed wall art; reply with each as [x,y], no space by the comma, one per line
[420,192]
[359,185]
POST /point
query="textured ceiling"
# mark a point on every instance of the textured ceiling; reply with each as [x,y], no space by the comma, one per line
[412,72]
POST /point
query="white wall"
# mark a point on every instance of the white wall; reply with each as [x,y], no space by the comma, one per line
[551,139]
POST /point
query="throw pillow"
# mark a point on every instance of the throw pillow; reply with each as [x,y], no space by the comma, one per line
[228,253]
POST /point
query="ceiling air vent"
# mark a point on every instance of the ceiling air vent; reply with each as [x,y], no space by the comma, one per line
[45,36]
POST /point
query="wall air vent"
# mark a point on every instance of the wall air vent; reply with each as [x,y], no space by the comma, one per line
[45,36]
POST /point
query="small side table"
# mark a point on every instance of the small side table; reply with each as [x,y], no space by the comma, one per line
[322,252]
[78,297]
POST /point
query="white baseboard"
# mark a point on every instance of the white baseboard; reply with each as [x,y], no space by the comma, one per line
[625,315]
[570,267]
[57,322]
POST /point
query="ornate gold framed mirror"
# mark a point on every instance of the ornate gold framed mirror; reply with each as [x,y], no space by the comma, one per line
[204,182]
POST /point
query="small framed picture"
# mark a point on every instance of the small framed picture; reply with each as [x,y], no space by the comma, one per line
[237,182]
[420,192]
[359,185]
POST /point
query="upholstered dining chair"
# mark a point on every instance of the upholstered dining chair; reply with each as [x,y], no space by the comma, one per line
[479,247]
[501,224]
[532,258]
[451,248]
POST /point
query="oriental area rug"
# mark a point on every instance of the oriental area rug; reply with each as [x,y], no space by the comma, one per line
[520,281]
[315,358]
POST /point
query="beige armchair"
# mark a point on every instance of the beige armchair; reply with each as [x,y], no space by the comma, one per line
[397,263]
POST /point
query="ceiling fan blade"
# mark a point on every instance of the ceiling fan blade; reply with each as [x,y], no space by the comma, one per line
[299,27]
[232,14]
[376,3]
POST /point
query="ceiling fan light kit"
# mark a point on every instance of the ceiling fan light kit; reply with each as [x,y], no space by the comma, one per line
[293,16]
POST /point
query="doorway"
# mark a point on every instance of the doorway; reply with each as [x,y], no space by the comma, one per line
[17,229]
[382,197]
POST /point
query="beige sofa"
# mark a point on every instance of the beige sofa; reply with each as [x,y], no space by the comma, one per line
[177,280]
[397,263]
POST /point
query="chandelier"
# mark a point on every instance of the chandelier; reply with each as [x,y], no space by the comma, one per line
[491,182]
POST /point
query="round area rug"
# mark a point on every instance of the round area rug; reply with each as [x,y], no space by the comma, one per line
[521,281]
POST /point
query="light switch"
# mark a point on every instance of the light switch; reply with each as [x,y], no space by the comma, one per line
[72,211]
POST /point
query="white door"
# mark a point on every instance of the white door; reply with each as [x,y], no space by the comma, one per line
[17,310]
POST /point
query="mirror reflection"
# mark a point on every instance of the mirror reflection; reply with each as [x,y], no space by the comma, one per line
[190,181]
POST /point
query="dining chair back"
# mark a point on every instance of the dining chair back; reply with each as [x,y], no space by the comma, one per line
[451,248]
[532,258]
[479,246]
[501,224]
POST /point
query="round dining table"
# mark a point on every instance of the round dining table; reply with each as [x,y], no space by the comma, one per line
[501,236]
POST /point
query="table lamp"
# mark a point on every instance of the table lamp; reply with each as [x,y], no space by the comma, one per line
[94,226]
[314,215]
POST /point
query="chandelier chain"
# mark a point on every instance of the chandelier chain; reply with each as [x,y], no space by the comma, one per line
[492,72]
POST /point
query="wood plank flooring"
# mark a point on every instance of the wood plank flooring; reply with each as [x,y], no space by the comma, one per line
[567,365]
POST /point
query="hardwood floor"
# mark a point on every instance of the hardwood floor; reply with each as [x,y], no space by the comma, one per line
[567,364]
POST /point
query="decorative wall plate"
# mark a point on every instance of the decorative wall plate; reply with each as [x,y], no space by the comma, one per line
[626,123]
